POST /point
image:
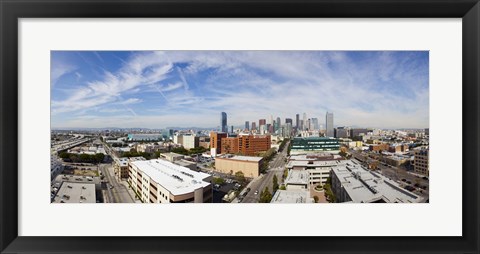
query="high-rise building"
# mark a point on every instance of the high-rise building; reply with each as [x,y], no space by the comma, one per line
[262,122]
[223,122]
[341,132]
[278,123]
[305,126]
[249,145]
[357,132]
[288,120]
[314,123]
[247,125]
[231,129]
[254,126]
[297,123]
[329,125]
[216,142]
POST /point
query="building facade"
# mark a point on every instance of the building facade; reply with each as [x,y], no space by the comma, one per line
[216,142]
[314,144]
[420,161]
[249,166]
[159,181]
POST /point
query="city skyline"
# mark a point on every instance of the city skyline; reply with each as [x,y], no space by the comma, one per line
[155,89]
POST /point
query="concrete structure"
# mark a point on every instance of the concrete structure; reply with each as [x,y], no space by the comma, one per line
[159,181]
[188,164]
[357,132]
[144,137]
[56,166]
[216,142]
[120,167]
[71,192]
[353,183]
[147,148]
[341,132]
[313,145]
[329,125]
[297,180]
[247,125]
[318,166]
[421,161]
[190,141]
[291,197]
[248,145]
[379,147]
[172,157]
[230,164]
[396,160]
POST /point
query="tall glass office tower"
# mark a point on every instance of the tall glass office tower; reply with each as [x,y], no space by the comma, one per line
[223,122]
[329,125]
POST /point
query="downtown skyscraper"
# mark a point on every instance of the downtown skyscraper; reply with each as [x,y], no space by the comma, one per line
[329,125]
[223,122]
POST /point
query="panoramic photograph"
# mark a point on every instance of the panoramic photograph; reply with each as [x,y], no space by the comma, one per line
[234,126]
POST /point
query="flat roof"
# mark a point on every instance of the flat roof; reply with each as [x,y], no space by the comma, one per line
[297,177]
[365,186]
[76,193]
[170,154]
[330,163]
[176,179]
[122,161]
[291,197]
[242,158]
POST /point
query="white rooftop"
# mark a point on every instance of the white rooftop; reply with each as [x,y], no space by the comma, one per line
[366,186]
[296,177]
[176,179]
[76,193]
[291,197]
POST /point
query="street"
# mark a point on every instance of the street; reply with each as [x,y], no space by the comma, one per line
[276,167]
[117,194]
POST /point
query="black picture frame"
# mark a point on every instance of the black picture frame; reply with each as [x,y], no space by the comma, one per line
[11,11]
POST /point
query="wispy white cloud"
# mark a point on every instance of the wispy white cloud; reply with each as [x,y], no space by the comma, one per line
[374,89]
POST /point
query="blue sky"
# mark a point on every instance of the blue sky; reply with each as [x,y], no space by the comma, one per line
[157,89]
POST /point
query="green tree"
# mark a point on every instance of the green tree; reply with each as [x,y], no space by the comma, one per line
[218,180]
[240,177]
[265,196]
[99,157]
[285,174]
[275,183]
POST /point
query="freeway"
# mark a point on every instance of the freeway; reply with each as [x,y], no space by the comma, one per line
[276,167]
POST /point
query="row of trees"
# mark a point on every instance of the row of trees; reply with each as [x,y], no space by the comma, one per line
[265,196]
[282,145]
[267,157]
[182,150]
[82,158]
